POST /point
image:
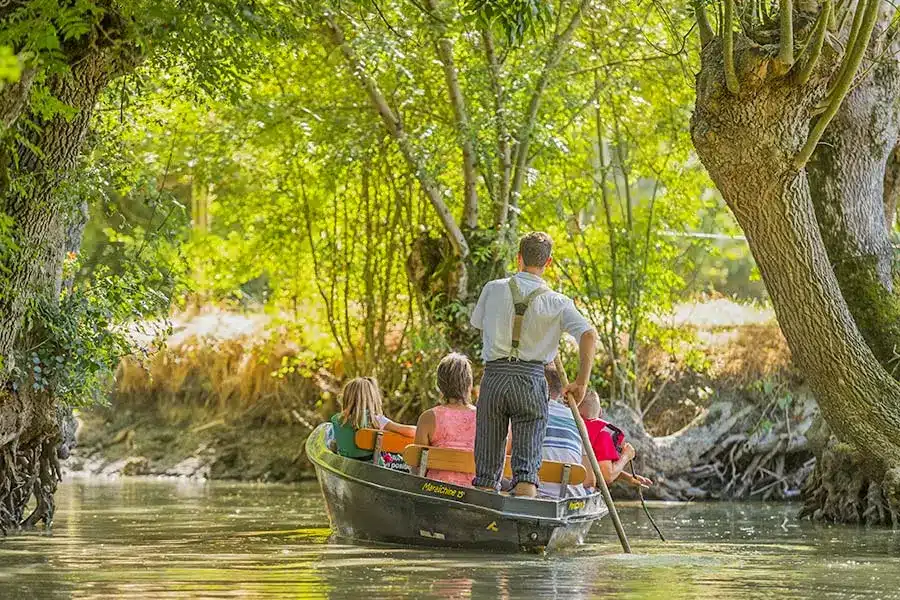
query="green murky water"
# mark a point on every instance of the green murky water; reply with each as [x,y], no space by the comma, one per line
[140,539]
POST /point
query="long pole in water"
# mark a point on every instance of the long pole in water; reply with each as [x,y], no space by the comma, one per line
[586,441]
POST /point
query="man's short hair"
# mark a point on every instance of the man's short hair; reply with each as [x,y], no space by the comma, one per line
[535,248]
[554,383]
[454,376]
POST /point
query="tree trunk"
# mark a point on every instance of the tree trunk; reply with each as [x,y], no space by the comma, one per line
[44,217]
[847,176]
[747,144]
[892,187]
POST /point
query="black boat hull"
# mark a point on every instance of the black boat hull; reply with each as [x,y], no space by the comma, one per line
[371,503]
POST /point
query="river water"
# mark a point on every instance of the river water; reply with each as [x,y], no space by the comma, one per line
[159,540]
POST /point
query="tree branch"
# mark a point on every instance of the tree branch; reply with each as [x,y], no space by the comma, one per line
[731,79]
[703,26]
[14,98]
[850,66]
[433,190]
[786,43]
[504,149]
[813,50]
[891,187]
[520,161]
[851,43]
[457,100]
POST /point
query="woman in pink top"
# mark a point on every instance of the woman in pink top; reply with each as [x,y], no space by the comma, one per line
[451,425]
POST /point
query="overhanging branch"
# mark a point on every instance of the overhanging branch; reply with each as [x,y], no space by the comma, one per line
[430,186]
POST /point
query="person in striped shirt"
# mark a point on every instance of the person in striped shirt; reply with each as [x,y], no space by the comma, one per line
[562,442]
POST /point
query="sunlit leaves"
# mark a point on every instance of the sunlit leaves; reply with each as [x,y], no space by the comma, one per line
[517,19]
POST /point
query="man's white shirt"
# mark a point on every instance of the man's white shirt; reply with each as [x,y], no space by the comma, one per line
[548,316]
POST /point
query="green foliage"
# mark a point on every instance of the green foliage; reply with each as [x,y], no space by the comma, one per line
[243,160]
[296,200]
[76,345]
[10,66]
[515,18]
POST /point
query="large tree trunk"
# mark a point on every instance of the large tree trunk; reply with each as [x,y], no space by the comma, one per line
[847,185]
[852,183]
[43,217]
[747,143]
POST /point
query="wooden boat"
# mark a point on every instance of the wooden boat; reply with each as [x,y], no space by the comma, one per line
[372,503]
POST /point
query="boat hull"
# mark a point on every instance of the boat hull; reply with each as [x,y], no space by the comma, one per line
[371,503]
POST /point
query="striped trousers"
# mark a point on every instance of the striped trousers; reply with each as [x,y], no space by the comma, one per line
[513,394]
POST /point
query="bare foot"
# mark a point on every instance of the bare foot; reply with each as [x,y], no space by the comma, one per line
[524,489]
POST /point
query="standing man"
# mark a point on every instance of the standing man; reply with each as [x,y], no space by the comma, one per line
[521,322]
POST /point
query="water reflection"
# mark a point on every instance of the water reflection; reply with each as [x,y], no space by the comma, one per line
[134,539]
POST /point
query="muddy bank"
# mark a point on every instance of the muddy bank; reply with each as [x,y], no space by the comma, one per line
[225,406]
[115,442]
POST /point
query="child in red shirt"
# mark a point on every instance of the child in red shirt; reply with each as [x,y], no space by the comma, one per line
[612,462]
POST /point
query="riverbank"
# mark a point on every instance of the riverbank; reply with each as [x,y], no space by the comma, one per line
[229,400]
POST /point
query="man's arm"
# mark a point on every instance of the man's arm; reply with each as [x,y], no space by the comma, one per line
[587,347]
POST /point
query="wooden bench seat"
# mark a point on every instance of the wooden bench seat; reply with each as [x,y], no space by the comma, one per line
[367,439]
[422,458]
[448,459]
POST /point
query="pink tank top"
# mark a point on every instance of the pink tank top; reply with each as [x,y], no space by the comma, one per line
[453,428]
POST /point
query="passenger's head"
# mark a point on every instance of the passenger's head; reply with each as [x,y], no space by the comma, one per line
[590,406]
[454,377]
[361,402]
[554,383]
[534,251]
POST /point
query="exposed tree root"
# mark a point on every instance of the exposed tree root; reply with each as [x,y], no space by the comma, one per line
[734,450]
[842,489]
[30,471]
[26,473]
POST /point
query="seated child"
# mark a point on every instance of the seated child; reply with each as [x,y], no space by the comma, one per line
[361,409]
[452,424]
[612,462]
[562,442]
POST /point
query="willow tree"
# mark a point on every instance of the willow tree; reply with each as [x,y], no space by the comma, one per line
[487,88]
[796,121]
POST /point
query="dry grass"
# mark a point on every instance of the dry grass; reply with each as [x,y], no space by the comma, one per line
[756,352]
[738,358]
[229,377]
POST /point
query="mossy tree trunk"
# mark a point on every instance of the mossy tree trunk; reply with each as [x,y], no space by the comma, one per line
[44,216]
[852,181]
[847,176]
[749,138]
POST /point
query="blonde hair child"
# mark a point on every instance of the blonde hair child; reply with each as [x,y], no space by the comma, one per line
[361,408]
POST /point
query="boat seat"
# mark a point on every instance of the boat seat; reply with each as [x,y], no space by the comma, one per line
[448,459]
[367,439]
